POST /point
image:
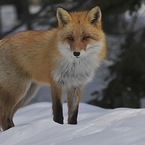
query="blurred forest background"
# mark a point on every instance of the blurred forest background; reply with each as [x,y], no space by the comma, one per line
[123,21]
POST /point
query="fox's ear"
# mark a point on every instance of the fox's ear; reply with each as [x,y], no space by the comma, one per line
[63,17]
[94,15]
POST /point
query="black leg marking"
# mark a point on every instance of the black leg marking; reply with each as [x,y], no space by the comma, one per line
[73,118]
[58,112]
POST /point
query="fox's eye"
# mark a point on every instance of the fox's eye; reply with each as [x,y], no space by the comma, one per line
[70,38]
[86,37]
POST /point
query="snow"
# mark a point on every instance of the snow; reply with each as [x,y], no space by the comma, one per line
[96,126]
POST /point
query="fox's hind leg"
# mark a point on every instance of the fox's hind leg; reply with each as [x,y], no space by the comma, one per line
[31,92]
[9,96]
[6,119]
[6,107]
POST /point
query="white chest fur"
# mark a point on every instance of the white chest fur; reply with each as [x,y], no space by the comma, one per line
[75,72]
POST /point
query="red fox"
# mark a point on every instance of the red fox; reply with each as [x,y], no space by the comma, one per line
[65,57]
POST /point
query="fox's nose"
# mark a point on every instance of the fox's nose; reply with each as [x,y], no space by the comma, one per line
[76,53]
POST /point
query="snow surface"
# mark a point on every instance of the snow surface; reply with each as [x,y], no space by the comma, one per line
[96,126]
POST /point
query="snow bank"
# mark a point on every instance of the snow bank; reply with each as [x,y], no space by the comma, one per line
[96,126]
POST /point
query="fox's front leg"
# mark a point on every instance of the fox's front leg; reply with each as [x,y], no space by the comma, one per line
[56,94]
[74,95]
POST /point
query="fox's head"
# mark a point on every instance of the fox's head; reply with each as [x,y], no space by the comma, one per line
[80,33]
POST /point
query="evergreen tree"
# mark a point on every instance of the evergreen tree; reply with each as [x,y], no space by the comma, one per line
[128,71]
